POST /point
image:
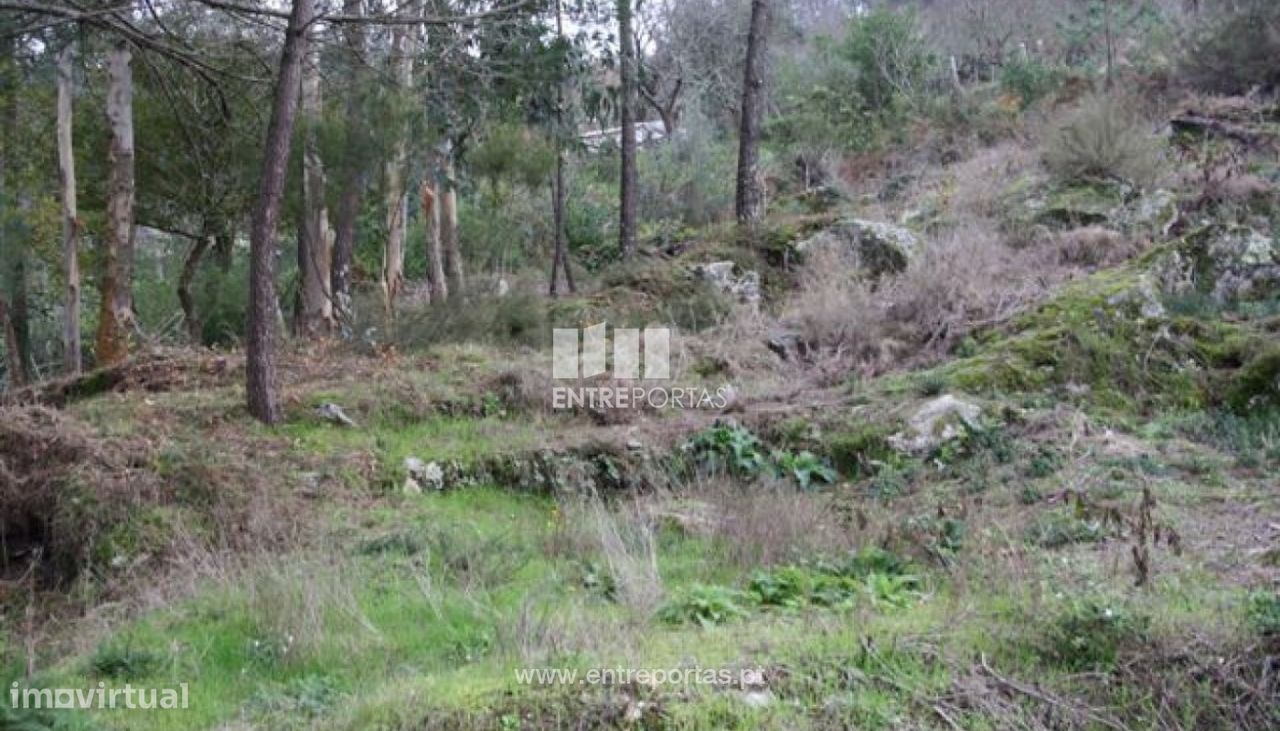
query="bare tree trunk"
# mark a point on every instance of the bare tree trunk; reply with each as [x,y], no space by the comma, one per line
[191,265]
[435,250]
[402,49]
[449,223]
[1111,44]
[115,316]
[70,222]
[17,371]
[750,200]
[352,174]
[262,389]
[560,256]
[315,239]
[626,105]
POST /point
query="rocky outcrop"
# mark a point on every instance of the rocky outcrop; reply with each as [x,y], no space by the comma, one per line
[937,422]
[724,277]
[876,248]
[1227,262]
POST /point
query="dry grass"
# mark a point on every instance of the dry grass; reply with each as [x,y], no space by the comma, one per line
[1092,246]
[769,523]
[1104,140]
[624,536]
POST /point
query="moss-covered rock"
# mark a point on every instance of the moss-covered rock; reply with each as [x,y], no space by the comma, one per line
[1229,263]
[877,248]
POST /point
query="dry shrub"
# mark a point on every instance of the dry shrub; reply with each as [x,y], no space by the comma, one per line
[769,523]
[1104,140]
[624,537]
[1093,246]
[963,280]
[61,487]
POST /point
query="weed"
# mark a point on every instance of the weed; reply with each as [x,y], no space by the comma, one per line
[728,448]
[1089,634]
[804,467]
[122,661]
[705,605]
[1062,527]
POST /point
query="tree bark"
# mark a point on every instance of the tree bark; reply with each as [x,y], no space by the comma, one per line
[749,202]
[352,173]
[13,312]
[315,239]
[115,316]
[262,389]
[448,193]
[70,222]
[437,282]
[402,49]
[191,265]
[560,255]
[627,110]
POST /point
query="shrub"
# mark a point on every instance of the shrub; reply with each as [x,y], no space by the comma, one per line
[1030,79]
[1103,141]
[1263,612]
[728,448]
[1090,634]
[1237,51]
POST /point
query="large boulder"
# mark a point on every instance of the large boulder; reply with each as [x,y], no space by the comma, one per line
[1227,262]
[937,422]
[875,247]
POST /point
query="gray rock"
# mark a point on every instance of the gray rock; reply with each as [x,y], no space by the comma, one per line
[722,275]
[421,475]
[1155,212]
[937,422]
[875,247]
[333,413]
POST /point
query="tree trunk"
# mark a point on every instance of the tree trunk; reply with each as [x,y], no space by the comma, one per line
[352,173]
[560,256]
[449,224]
[402,50]
[115,316]
[315,238]
[435,250]
[626,105]
[191,265]
[13,312]
[260,367]
[749,202]
[70,222]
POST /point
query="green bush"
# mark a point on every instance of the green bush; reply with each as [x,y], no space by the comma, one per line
[1090,634]
[1103,141]
[1030,79]
[1263,612]
[122,661]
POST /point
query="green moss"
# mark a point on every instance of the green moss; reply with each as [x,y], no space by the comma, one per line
[863,451]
